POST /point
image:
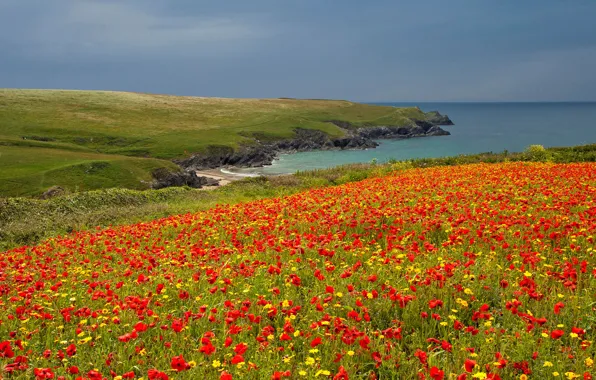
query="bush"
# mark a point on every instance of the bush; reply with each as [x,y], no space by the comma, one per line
[537,153]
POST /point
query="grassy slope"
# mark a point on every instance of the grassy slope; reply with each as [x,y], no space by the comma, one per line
[27,221]
[84,126]
[29,170]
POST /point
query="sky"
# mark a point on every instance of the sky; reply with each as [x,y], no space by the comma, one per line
[373,50]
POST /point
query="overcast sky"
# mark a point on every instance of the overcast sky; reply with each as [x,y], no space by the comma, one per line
[373,50]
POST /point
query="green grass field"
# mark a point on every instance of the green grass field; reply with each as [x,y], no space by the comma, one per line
[84,140]
[25,221]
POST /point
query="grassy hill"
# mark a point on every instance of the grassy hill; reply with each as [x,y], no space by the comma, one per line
[85,140]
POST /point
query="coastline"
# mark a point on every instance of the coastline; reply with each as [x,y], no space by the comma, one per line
[213,166]
[263,153]
[217,175]
[227,174]
[222,176]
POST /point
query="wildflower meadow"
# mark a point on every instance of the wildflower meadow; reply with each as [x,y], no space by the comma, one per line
[482,271]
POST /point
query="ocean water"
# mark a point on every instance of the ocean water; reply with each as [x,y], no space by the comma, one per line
[479,127]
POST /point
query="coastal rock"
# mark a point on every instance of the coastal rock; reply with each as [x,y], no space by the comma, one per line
[419,129]
[164,178]
[252,156]
[265,153]
[356,137]
[434,117]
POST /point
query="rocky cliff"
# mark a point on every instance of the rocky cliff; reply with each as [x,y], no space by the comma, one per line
[356,137]
[164,178]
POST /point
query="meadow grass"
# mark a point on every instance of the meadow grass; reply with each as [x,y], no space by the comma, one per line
[27,221]
[42,131]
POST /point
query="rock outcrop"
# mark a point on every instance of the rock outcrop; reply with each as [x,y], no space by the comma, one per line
[164,178]
[52,192]
[434,117]
[356,137]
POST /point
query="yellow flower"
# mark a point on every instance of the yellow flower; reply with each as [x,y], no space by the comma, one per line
[523,377]
[571,375]
[479,375]
[548,364]
[350,353]
[555,374]
[302,373]
[191,363]
[323,372]
[589,362]
[462,302]
[216,363]
[309,361]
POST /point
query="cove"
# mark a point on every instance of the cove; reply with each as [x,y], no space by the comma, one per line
[479,127]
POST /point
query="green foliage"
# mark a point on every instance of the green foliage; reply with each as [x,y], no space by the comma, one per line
[46,134]
[26,221]
[537,153]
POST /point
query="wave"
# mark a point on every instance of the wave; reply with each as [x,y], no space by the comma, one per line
[226,171]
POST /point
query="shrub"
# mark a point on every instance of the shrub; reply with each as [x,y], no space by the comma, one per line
[537,153]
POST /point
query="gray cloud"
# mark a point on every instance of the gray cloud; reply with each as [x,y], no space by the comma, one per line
[97,29]
[378,50]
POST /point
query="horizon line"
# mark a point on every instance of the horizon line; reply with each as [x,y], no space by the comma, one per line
[309,97]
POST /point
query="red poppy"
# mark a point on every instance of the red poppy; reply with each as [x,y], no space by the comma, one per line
[315,342]
[179,364]
[469,365]
[436,374]
[556,334]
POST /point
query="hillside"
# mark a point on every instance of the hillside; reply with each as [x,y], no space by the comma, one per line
[481,271]
[46,133]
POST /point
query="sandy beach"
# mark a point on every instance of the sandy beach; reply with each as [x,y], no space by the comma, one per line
[217,174]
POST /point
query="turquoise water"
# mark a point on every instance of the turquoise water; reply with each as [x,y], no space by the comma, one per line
[479,127]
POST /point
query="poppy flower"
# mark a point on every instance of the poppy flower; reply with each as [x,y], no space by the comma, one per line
[469,365]
[315,342]
[179,364]
[436,374]
[556,334]
[43,373]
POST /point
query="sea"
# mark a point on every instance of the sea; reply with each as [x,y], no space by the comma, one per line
[479,127]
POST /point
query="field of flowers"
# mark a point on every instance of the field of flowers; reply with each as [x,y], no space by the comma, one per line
[469,272]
